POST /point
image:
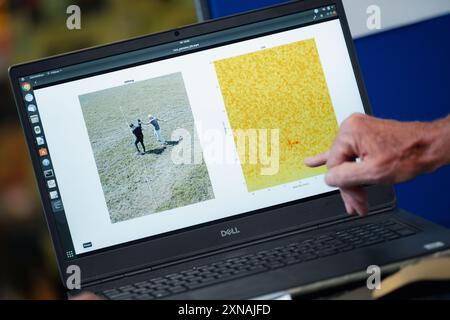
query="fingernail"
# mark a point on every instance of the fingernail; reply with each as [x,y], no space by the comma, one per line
[329,179]
[349,212]
[347,207]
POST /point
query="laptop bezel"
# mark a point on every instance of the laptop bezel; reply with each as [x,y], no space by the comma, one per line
[201,239]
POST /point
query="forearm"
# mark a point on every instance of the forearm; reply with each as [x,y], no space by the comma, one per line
[439,151]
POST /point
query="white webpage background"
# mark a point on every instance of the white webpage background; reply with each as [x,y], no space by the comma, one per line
[76,170]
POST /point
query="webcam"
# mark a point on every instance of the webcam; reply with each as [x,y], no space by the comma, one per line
[176,33]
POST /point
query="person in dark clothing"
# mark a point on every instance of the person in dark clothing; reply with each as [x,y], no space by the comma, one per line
[137,131]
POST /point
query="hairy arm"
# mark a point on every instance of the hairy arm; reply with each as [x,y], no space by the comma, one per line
[440,149]
[388,151]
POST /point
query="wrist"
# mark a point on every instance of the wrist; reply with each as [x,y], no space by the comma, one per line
[439,138]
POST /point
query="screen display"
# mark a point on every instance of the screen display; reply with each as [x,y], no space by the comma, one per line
[173,136]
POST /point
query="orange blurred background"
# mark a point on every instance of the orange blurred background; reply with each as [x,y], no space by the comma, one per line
[32,29]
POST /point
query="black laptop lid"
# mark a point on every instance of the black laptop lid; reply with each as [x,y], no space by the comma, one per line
[170,145]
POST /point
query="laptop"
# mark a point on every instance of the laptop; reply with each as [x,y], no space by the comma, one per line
[170,166]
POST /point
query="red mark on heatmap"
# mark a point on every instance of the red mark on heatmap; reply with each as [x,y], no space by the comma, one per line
[291,143]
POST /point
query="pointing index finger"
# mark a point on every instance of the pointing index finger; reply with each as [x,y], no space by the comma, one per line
[318,160]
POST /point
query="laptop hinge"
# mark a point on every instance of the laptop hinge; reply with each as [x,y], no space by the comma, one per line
[376,210]
[103,280]
[117,277]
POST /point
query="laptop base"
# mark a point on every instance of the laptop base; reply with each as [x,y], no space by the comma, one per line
[326,269]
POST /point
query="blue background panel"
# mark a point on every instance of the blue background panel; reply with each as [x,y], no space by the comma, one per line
[407,74]
[221,8]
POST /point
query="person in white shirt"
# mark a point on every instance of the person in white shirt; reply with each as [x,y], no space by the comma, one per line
[154,121]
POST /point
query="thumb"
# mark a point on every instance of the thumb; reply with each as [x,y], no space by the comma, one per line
[350,174]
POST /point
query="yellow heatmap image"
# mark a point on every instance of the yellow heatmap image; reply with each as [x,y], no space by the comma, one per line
[280,88]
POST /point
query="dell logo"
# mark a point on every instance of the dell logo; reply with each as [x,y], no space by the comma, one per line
[229,232]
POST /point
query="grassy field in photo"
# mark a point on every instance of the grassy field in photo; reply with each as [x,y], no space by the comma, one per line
[135,185]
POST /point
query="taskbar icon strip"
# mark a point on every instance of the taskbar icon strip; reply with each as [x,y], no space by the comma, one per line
[46,166]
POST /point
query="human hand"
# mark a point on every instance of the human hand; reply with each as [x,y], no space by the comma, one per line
[388,152]
[86,296]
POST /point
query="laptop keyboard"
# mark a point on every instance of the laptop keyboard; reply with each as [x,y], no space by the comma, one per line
[307,250]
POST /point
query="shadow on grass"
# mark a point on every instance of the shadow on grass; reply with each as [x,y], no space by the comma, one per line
[173,143]
[161,149]
[156,151]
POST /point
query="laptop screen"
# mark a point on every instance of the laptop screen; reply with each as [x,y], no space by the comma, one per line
[172,136]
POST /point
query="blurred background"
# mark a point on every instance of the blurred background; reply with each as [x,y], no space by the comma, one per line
[32,29]
[405,67]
